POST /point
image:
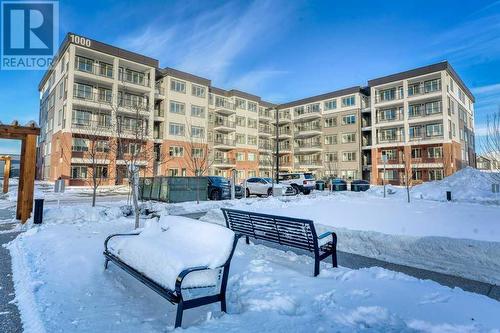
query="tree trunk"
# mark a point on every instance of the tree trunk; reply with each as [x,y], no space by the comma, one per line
[135,201]
[94,193]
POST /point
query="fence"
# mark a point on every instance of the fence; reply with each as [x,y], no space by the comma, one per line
[173,189]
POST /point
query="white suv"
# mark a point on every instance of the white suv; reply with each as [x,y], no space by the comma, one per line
[264,186]
[301,181]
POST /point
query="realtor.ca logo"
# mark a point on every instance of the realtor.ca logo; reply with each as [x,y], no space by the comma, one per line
[29,34]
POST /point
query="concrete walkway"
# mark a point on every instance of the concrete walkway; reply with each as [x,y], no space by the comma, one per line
[10,320]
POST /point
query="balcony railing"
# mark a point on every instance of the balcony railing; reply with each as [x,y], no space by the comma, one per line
[265,129]
[396,116]
[137,79]
[93,97]
[159,112]
[91,124]
[284,116]
[306,112]
[308,127]
[134,103]
[95,68]
[390,138]
[225,141]
[265,114]
[381,98]
[265,145]
[424,136]
[224,122]
[285,131]
[307,145]
[316,162]
[224,161]
[422,88]
[225,105]
[159,91]
[417,112]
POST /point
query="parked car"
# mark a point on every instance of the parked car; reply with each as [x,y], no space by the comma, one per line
[264,186]
[338,184]
[219,188]
[301,181]
[360,185]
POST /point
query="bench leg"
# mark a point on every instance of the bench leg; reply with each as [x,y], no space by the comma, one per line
[247,239]
[178,317]
[223,303]
[334,259]
[106,261]
[316,266]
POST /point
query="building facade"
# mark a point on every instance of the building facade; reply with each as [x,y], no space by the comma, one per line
[107,93]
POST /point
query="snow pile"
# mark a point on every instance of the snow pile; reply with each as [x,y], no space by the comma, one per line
[469,185]
[163,250]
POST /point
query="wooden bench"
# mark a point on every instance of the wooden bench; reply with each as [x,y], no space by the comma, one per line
[287,231]
[176,296]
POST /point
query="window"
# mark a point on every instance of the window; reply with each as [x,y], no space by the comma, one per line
[252,140]
[349,156]
[312,108]
[331,157]
[84,64]
[197,132]
[432,85]
[177,85]
[197,111]
[79,172]
[252,106]
[251,157]
[435,152]
[330,122]
[240,121]
[197,90]
[240,138]
[416,175]
[434,130]
[80,144]
[101,171]
[241,104]
[389,175]
[348,101]
[197,152]
[453,129]
[59,117]
[331,104]
[240,156]
[102,146]
[83,91]
[173,172]
[348,137]
[176,151]
[105,95]
[415,132]
[416,153]
[176,129]
[433,107]
[349,174]
[349,119]
[105,69]
[331,139]
[251,173]
[176,107]
[391,154]
[435,174]
[252,123]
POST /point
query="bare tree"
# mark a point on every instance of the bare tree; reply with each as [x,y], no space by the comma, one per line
[134,146]
[490,144]
[198,158]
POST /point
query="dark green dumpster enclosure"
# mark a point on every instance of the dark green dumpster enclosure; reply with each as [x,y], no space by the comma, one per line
[173,189]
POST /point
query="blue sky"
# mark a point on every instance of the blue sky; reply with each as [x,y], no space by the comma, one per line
[285,50]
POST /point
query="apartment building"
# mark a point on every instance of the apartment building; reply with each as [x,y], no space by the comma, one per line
[95,88]
[422,124]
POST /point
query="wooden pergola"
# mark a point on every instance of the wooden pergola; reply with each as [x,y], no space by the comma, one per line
[6,172]
[27,168]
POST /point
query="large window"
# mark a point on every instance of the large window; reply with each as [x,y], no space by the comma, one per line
[331,104]
[348,137]
[176,151]
[176,129]
[348,101]
[83,91]
[252,106]
[349,119]
[330,122]
[435,174]
[197,132]
[240,138]
[197,152]
[241,103]
[102,146]
[197,111]
[252,140]
[177,85]
[435,152]
[101,171]
[349,156]
[240,121]
[81,118]
[197,91]
[176,107]
[79,172]
[432,85]
[84,64]
[80,144]
[434,130]
[252,123]
[331,139]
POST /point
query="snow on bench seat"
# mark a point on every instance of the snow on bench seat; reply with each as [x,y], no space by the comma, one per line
[165,248]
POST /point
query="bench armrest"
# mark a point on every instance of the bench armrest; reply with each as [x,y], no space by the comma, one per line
[326,234]
[187,271]
[115,235]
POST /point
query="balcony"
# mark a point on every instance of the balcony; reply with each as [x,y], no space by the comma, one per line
[224,162]
[283,118]
[424,88]
[310,129]
[159,93]
[92,126]
[421,112]
[159,112]
[265,114]
[309,163]
[419,136]
[265,130]
[95,69]
[134,78]
[307,147]
[285,148]
[223,143]
[265,147]
[223,124]
[225,107]
[307,114]
[284,133]
[92,99]
[392,138]
[134,105]
[391,95]
[386,116]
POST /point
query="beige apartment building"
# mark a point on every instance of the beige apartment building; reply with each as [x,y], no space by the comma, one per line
[99,89]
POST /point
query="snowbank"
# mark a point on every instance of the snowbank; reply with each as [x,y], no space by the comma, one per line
[466,185]
[163,250]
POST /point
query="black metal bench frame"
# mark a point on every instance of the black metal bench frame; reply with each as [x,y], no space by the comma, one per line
[175,296]
[287,231]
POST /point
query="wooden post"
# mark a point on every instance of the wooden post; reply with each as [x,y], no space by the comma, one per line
[6,174]
[20,187]
[26,178]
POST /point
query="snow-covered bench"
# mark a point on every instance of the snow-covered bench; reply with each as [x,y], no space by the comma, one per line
[287,231]
[183,260]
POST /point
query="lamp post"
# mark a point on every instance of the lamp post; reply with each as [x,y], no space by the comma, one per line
[277,144]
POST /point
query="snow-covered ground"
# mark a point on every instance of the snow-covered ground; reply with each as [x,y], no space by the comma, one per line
[61,286]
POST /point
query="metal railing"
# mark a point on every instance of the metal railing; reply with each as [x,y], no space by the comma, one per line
[308,127]
[142,103]
[159,91]
[92,97]
[225,105]
[137,79]
[224,161]
[91,124]
[424,88]
[424,112]
[221,121]
[225,141]
[380,98]
[397,116]
[95,68]
[300,145]
[390,138]
[306,112]
[265,129]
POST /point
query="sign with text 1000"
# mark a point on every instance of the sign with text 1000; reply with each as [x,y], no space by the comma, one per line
[80,40]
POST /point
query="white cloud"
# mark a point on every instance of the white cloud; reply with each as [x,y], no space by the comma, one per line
[492,88]
[253,80]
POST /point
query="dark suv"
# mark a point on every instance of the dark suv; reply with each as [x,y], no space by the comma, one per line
[219,188]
